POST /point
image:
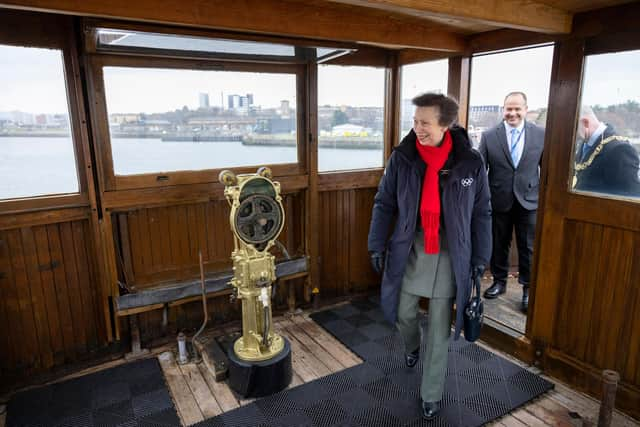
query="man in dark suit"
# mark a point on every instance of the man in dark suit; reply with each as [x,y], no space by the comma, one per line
[605,162]
[512,152]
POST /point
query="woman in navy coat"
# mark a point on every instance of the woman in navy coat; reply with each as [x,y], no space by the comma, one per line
[434,192]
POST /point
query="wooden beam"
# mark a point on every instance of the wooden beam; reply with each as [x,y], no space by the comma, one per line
[414,56]
[458,85]
[519,14]
[506,39]
[282,17]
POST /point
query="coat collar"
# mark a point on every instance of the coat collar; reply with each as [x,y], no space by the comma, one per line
[461,144]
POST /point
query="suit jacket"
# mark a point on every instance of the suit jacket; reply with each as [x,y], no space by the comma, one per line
[613,170]
[508,183]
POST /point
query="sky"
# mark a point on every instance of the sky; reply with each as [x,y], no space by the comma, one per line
[528,71]
[31,80]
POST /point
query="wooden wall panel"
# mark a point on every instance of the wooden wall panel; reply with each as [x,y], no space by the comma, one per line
[48,298]
[344,226]
[161,244]
[598,297]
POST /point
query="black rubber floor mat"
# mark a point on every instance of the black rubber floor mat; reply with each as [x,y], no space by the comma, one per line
[129,395]
[382,391]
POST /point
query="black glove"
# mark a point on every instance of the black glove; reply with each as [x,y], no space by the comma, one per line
[477,272]
[377,261]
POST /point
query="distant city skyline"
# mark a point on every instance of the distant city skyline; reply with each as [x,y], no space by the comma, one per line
[31,80]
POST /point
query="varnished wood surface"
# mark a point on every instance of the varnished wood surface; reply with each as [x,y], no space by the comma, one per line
[49,306]
[587,262]
[522,14]
[304,19]
[162,243]
[343,231]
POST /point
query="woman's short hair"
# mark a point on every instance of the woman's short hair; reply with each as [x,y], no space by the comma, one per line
[447,106]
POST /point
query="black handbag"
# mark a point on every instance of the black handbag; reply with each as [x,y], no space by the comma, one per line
[474,313]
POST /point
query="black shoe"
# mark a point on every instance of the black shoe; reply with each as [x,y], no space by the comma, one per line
[412,358]
[495,290]
[525,299]
[430,410]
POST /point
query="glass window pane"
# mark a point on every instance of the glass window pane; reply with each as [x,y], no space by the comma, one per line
[163,120]
[608,131]
[135,39]
[512,150]
[419,78]
[494,75]
[350,117]
[36,148]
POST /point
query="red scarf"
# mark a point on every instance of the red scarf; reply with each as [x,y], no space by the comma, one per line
[434,157]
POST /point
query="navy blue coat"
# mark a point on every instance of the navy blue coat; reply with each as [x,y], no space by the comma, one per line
[614,170]
[465,209]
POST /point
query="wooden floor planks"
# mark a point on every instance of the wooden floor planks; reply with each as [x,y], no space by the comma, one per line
[314,354]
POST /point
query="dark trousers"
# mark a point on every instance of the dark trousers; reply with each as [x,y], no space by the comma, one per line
[503,223]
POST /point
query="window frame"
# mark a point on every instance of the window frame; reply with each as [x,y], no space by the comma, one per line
[113,182]
[31,30]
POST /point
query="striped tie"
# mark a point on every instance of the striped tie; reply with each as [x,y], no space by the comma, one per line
[514,145]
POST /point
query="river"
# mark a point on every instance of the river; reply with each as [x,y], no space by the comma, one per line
[35,166]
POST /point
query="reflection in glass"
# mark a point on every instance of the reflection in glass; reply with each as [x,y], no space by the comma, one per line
[163,120]
[350,117]
[36,147]
[606,156]
[419,78]
[495,75]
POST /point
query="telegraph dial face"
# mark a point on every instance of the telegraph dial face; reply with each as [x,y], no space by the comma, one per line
[258,219]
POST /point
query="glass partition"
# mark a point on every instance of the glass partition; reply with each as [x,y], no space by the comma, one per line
[494,75]
[509,132]
[607,145]
[164,120]
[113,39]
[350,117]
[419,78]
[36,147]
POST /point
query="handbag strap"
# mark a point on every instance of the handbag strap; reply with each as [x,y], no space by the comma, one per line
[476,286]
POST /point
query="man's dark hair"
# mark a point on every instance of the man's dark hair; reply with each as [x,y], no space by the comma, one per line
[516,93]
[447,107]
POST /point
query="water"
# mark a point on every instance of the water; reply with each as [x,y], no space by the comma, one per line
[38,166]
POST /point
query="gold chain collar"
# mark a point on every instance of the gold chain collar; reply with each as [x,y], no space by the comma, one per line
[582,166]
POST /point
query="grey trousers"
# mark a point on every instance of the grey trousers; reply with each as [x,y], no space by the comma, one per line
[434,359]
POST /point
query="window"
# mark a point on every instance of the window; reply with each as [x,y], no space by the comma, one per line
[606,159]
[350,117]
[122,40]
[36,147]
[494,75]
[164,120]
[419,78]
[143,42]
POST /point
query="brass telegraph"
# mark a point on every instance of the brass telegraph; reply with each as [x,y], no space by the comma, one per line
[256,219]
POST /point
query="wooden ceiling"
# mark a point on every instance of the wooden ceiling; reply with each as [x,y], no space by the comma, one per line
[435,25]
[475,16]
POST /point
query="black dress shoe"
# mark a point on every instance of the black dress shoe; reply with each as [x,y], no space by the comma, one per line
[430,410]
[412,358]
[525,299]
[495,290]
